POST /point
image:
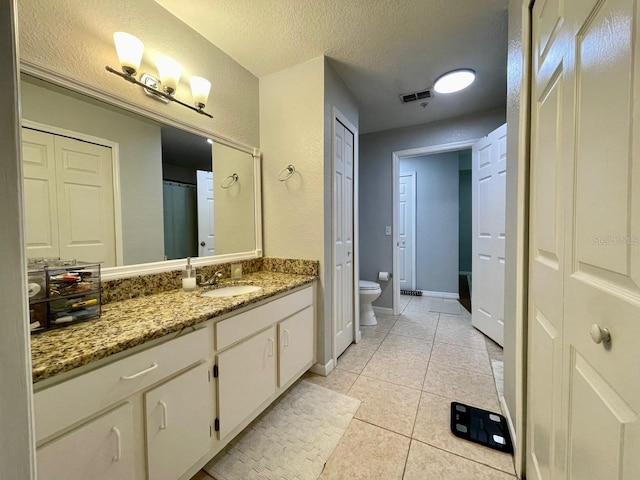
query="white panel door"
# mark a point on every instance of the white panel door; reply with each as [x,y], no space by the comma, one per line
[585,236]
[488,188]
[101,449]
[343,237]
[178,423]
[247,378]
[407,231]
[86,216]
[40,193]
[206,232]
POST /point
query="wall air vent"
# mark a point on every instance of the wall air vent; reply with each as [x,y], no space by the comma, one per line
[412,97]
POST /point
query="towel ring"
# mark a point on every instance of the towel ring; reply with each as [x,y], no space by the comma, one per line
[226,183]
[290,169]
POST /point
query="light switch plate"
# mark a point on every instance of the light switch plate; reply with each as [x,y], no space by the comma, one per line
[387,231]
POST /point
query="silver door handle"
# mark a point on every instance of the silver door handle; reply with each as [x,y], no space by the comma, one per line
[139,374]
[164,415]
[118,454]
[599,334]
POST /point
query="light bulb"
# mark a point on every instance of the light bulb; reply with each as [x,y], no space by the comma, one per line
[129,50]
[200,88]
[169,71]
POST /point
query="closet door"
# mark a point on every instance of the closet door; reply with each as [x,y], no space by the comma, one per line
[86,220]
[40,193]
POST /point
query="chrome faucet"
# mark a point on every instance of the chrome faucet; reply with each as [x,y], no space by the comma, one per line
[212,281]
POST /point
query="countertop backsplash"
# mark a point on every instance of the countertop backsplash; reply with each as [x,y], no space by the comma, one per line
[143,285]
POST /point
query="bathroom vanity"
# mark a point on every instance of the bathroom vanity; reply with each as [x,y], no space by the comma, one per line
[160,384]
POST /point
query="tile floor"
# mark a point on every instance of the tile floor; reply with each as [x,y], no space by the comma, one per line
[406,370]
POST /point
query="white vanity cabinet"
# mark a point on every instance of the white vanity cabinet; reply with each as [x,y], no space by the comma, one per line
[178,423]
[101,449]
[260,353]
[249,378]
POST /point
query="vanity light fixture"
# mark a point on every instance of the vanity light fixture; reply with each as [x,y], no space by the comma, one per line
[130,49]
[454,81]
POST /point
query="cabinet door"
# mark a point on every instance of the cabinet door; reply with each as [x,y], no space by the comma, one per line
[247,378]
[100,449]
[178,421]
[295,335]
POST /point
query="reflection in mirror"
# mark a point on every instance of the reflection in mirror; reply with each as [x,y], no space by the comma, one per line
[103,184]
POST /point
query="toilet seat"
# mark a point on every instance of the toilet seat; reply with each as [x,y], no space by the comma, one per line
[367,285]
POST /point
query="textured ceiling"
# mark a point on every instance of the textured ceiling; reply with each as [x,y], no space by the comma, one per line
[380,48]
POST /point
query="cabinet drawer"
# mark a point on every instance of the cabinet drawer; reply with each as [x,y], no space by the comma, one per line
[101,449]
[64,404]
[236,328]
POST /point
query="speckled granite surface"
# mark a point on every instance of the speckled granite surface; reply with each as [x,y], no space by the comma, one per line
[139,286]
[132,322]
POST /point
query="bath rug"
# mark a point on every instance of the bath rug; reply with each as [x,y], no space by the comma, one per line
[292,441]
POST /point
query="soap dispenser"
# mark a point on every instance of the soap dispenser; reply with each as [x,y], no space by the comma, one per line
[188,277]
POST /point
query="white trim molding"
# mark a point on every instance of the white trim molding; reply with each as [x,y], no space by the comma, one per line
[429,293]
[320,369]
[396,157]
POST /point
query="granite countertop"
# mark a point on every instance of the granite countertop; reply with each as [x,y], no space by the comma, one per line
[129,323]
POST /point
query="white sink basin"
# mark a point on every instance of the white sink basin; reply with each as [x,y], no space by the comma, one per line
[231,291]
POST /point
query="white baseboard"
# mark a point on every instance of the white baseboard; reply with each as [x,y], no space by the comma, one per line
[383,310]
[512,432]
[321,369]
[358,336]
[428,293]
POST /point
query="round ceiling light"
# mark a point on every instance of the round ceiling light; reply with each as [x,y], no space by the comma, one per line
[454,81]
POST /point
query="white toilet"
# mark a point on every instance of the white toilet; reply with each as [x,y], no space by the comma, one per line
[369,291]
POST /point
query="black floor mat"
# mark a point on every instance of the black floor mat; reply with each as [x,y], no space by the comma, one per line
[480,426]
[415,293]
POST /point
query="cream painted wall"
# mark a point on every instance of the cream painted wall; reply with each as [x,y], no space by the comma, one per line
[233,207]
[376,204]
[295,127]
[140,154]
[74,38]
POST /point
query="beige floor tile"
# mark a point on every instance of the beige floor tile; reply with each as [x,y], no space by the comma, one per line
[461,357]
[457,330]
[433,427]
[428,318]
[419,304]
[413,347]
[428,463]
[425,331]
[355,358]
[371,338]
[386,405]
[367,452]
[396,368]
[385,323]
[462,386]
[447,306]
[494,350]
[338,380]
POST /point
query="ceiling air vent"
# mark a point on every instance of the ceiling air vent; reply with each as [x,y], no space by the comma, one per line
[412,97]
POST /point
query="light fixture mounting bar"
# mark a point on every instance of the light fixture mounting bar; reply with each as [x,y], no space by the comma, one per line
[160,93]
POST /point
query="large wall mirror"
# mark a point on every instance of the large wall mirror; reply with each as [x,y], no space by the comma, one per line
[102,184]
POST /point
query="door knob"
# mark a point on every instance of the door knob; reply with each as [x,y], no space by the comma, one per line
[202,244]
[599,334]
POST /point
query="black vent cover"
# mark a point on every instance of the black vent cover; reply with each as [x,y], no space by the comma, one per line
[412,97]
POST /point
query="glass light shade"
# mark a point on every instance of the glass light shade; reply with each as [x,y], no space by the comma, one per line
[454,81]
[169,71]
[129,50]
[200,88]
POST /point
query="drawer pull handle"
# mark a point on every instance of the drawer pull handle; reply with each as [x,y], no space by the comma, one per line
[118,445]
[270,352]
[139,374]
[164,414]
[286,337]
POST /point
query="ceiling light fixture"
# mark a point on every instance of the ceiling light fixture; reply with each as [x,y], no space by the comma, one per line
[454,81]
[130,50]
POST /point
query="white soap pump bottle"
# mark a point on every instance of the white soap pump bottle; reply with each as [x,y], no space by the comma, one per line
[188,277]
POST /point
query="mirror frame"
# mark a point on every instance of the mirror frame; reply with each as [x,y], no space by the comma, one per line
[126,271]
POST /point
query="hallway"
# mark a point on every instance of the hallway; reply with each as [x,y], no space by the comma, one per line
[406,370]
